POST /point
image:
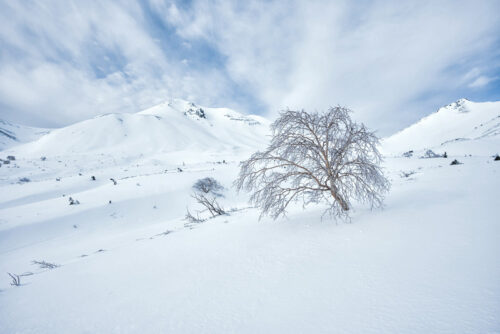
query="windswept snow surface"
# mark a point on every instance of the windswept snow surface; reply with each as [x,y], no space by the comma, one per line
[462,127]
[427,263]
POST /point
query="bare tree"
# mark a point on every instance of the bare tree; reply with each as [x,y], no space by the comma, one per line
[208,185]
[315,157]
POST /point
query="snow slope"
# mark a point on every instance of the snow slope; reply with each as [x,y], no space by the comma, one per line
[14,134]
[173,126]
[462,127]
[427,263]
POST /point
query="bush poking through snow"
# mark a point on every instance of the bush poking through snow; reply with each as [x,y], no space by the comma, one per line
[208,185]
[430,154]
[73,201]
[407,174]
[114,181]
[408,154]
[315,157]
[192,219]
[209,202]
[16,279]
[24,180]
[497,158]
[455,162]
[45,265]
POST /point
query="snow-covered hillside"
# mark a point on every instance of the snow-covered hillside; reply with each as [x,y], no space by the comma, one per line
[173,126]
[126,261]
[462,127]
[14,134]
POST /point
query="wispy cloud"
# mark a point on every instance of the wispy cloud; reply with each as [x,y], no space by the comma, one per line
[66,61]
[481,81]
[391,61]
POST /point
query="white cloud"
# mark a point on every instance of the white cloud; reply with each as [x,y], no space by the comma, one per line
[51,52]
[391,61]
[481,81]
[379,57]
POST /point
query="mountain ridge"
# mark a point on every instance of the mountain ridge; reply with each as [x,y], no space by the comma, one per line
[172,126]
[15,134]
[463,127]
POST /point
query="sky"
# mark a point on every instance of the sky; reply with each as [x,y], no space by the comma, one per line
[392,62]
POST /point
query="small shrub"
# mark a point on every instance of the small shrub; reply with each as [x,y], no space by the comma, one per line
[193,219]
[210,203]
[455,162]
[408,154]
[73,201]
[45,265]
[497,158]
[11,157]
[162,234]
[114,181]
[430,154]
[16,279]
[92,178]
[24,180]
[407,174]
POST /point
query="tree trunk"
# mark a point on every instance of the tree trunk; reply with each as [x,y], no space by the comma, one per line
[338,198]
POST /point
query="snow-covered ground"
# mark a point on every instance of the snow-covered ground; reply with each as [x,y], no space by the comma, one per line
[427,263]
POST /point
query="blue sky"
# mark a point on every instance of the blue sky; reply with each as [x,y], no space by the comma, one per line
[392,62]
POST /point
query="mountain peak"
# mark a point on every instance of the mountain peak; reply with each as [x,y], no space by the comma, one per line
[457,128]
[461,105]
[173,126]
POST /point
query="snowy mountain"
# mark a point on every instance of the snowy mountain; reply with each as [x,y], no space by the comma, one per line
[426,263]
[14,134]
[462,127]
[169,127]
